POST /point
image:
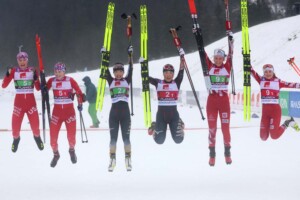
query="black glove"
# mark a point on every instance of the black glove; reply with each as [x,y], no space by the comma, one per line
[130,50]
[230,35]
[44,88]
[8,71]
[79,107]
[181,52]
[35,76]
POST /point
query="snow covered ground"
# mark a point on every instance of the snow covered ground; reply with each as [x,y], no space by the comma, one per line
[260,170]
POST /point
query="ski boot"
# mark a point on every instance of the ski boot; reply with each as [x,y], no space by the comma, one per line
[151,129]
[39,142]
[128,162]
[212,156]
[15,144]
[55,159]
[112,162]
[73,155]
[227,155]
[291,123]
[181,124]
[180,127]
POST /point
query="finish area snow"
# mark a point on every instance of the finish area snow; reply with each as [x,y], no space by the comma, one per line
[260,170]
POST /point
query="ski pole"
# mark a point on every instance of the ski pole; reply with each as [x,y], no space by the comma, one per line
[177,43]
[129,35]
[193,88]
[82,129]
[291,61]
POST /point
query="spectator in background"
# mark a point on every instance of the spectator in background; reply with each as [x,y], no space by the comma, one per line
[91,95]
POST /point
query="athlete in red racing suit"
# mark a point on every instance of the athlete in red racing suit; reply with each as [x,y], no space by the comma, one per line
[25,79]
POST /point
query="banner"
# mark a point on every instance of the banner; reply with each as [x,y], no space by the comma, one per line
[294,104]
[284,102]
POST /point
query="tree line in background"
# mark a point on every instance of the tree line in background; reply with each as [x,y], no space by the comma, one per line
[72,30]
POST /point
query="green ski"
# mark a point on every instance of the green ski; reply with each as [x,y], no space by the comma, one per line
[105,56]
[144,66]
[246,59]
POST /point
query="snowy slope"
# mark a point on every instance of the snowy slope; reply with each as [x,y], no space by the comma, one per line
[260,170]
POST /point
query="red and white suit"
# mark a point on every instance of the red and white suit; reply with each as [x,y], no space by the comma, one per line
[24,99]
[218,100]
[271,110]
[63,110]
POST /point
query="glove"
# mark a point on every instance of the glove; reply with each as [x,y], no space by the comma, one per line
[130,50]
[230,35]
[35,76]
[79,107]
[71,95]
[83,98]
[8,71]
[181,52]
[102,50]
[141,59]
[44,88]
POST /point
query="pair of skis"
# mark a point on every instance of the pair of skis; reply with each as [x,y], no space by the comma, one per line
[246,60]
[230,43]
[144,66]
[44,91]
[105,56]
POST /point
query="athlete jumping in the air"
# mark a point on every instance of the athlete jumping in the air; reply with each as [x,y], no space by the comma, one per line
[119,113]
[218,101]
[25,79]
[270,87]
[167,95]
[63,111]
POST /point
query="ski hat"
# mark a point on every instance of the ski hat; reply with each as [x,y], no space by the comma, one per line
[22,54]
[219,52]
[268,67]
[118,66]
[60,67]
[168,67]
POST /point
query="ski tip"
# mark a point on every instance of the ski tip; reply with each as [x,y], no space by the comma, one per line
[192,7]
[37,38]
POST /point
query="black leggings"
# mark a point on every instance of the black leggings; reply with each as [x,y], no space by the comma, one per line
[164,116]
[119,115]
